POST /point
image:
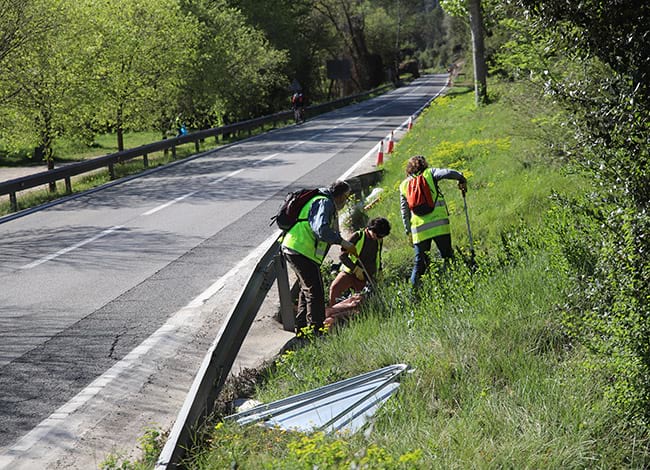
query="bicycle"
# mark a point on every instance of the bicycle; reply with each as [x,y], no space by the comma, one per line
[299,114]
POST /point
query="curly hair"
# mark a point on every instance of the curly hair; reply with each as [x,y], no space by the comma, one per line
[416,165]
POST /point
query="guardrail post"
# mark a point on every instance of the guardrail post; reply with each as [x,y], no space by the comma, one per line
[196,146]
[145,160]
[13,201]
[284,293]
[68,185]
[111,171]
[174,152]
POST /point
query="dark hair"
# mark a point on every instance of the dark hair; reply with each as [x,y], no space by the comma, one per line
[416,165]
[339,187]
[380,226]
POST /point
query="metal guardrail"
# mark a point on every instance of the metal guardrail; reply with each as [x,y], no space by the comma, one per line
[12,187]
[221,356]
[218,361]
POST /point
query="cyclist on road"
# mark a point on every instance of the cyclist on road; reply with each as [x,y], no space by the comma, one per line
[298,106]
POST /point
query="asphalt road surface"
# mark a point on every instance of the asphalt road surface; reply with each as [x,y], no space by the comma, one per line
[85,282]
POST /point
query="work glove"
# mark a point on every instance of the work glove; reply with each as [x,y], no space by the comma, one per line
[358,272]
[349,248]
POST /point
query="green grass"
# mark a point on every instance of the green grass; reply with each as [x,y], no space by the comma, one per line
[496,382]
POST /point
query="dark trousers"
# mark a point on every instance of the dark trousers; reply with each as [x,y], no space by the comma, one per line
[443,242]
[311,299]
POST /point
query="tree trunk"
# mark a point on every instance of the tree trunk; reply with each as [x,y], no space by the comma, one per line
[47,141]
[119,128]
[478,48]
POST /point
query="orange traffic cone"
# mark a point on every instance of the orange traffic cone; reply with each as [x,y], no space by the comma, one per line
[380,154]
[391,143]
[410,124]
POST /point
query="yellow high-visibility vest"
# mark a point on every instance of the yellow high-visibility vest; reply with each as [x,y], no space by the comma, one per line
[433,224]
[359,245]
[301,238]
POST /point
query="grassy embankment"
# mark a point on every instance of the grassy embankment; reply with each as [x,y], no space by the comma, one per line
[496,383]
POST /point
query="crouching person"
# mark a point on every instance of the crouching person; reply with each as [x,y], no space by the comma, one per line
[368,243]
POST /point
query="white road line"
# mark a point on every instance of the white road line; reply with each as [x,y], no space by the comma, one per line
[229,175]
[71,248]
[268,158]
[295,145]
[167,204]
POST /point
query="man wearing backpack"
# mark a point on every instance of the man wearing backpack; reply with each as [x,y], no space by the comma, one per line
[424,212]
[305,245]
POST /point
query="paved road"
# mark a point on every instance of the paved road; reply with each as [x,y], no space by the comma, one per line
[84,282]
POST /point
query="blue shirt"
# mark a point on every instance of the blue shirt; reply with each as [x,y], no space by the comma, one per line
[321,214]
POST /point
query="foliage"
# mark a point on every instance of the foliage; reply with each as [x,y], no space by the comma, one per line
[291,26]
[141,52]
[76,70]
[20,22]
[40,81]
[236,67]
[151,444]
[256,447]
[603,83]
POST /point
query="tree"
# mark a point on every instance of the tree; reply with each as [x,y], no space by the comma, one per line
[347,17]
[19,23]
[43,78]
[142,52]
[472,9]
[291,26]
[236,67]
[478,51]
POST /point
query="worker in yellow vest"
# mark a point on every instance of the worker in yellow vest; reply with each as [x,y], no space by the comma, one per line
[368,242]
[305,246]
[424,212]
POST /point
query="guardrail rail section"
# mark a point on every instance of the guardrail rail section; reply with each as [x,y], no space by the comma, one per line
[219,359]
[50,177]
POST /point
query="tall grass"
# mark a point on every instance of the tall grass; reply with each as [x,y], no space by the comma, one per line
[496,383]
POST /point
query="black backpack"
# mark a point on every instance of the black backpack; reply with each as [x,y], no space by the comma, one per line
[289,211]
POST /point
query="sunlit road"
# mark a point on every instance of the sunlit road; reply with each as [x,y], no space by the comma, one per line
[84,282]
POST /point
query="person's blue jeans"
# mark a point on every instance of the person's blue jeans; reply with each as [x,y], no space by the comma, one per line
[443,243]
